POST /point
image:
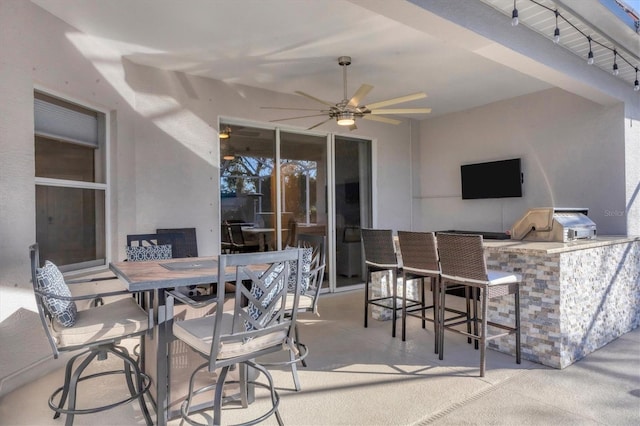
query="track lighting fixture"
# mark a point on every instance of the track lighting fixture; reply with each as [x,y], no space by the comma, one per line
[515,20]
[514,15]
[556,32]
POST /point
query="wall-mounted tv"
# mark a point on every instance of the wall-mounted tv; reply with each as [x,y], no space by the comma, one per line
[494,179]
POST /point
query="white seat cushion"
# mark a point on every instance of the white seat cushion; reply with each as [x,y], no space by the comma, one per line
[103,323]
[500,277]
[198,333]
[305,302]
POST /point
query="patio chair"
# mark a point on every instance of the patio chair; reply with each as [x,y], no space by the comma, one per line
[314,262]
[380,255]
[237,243]
[96,332]
[184,241]
[242,332]
[462,262]
[419,262]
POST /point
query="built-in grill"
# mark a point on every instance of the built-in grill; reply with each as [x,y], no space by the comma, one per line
[554,224]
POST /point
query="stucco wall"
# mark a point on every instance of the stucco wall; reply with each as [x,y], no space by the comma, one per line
[572,150]
[163,157]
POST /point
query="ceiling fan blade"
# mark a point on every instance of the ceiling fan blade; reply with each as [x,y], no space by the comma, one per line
[394,101]
[293,118]
[353,127]
[314,98]
[381,119]
[320,123]
[293,109]
[402,111]
[359,95]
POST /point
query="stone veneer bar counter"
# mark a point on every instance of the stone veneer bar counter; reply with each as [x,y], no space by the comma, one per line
[575,297]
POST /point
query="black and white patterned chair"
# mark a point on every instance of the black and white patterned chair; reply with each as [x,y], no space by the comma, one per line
[252,324]
[96,332]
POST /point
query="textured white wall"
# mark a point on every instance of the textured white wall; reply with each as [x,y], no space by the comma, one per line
[163,134]
[573,156]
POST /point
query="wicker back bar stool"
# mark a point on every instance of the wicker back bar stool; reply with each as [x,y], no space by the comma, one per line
[380,255]
[462,262]
[420,262]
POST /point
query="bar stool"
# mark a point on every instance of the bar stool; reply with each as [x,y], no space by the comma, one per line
[419,262]
[380,255]
[462,261]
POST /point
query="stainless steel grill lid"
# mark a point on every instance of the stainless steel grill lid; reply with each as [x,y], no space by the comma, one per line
[554,224]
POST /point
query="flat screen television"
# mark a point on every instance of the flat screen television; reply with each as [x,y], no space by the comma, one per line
[494,179]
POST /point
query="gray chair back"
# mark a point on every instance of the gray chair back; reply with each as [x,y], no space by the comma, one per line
[258,312]
[45,315]
[318,263]
[183,240]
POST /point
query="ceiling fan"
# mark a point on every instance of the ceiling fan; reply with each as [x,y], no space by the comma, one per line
[347,110]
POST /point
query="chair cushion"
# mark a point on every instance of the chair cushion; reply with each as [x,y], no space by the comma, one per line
[142,253]
[305,302]
[111,321]
[307,254]
[501,277]
[198,333]
[50,280]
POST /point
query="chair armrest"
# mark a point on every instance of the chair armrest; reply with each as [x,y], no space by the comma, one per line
[83,297]
[189,301]
[90,280]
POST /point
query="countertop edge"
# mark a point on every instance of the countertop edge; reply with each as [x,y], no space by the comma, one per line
[543,247]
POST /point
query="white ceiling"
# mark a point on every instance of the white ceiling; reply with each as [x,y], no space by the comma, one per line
[289,45]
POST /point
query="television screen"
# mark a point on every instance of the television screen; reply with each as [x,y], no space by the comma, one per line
[494,179]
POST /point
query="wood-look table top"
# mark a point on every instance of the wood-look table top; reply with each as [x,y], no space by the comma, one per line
[159,274]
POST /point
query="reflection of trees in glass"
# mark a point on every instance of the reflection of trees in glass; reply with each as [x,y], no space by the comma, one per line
[241,175]
[250,175]
[296,174]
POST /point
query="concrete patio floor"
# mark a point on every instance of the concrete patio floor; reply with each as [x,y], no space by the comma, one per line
[358,376]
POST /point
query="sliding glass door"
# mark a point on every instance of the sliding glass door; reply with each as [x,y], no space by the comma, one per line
[276,184]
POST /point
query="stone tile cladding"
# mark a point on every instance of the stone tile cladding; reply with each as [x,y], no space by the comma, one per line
[572,303]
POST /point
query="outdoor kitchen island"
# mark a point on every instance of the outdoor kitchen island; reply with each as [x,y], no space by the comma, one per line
[575,296]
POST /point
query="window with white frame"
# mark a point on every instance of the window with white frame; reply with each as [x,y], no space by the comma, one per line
[71,183]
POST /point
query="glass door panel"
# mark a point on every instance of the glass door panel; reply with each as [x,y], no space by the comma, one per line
[247,195]
[303,175]
[352,206]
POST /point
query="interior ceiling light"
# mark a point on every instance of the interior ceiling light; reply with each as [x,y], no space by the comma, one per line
[346,118]
[556,32]
[514,15]
[228,157]
[590,55]
[226,133]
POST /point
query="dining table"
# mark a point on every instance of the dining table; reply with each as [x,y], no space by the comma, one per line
[152,278]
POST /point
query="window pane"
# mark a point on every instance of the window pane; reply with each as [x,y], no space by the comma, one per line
[70,225]
[62,160]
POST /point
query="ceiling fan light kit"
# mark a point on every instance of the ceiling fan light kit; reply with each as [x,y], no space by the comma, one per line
[347,110]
